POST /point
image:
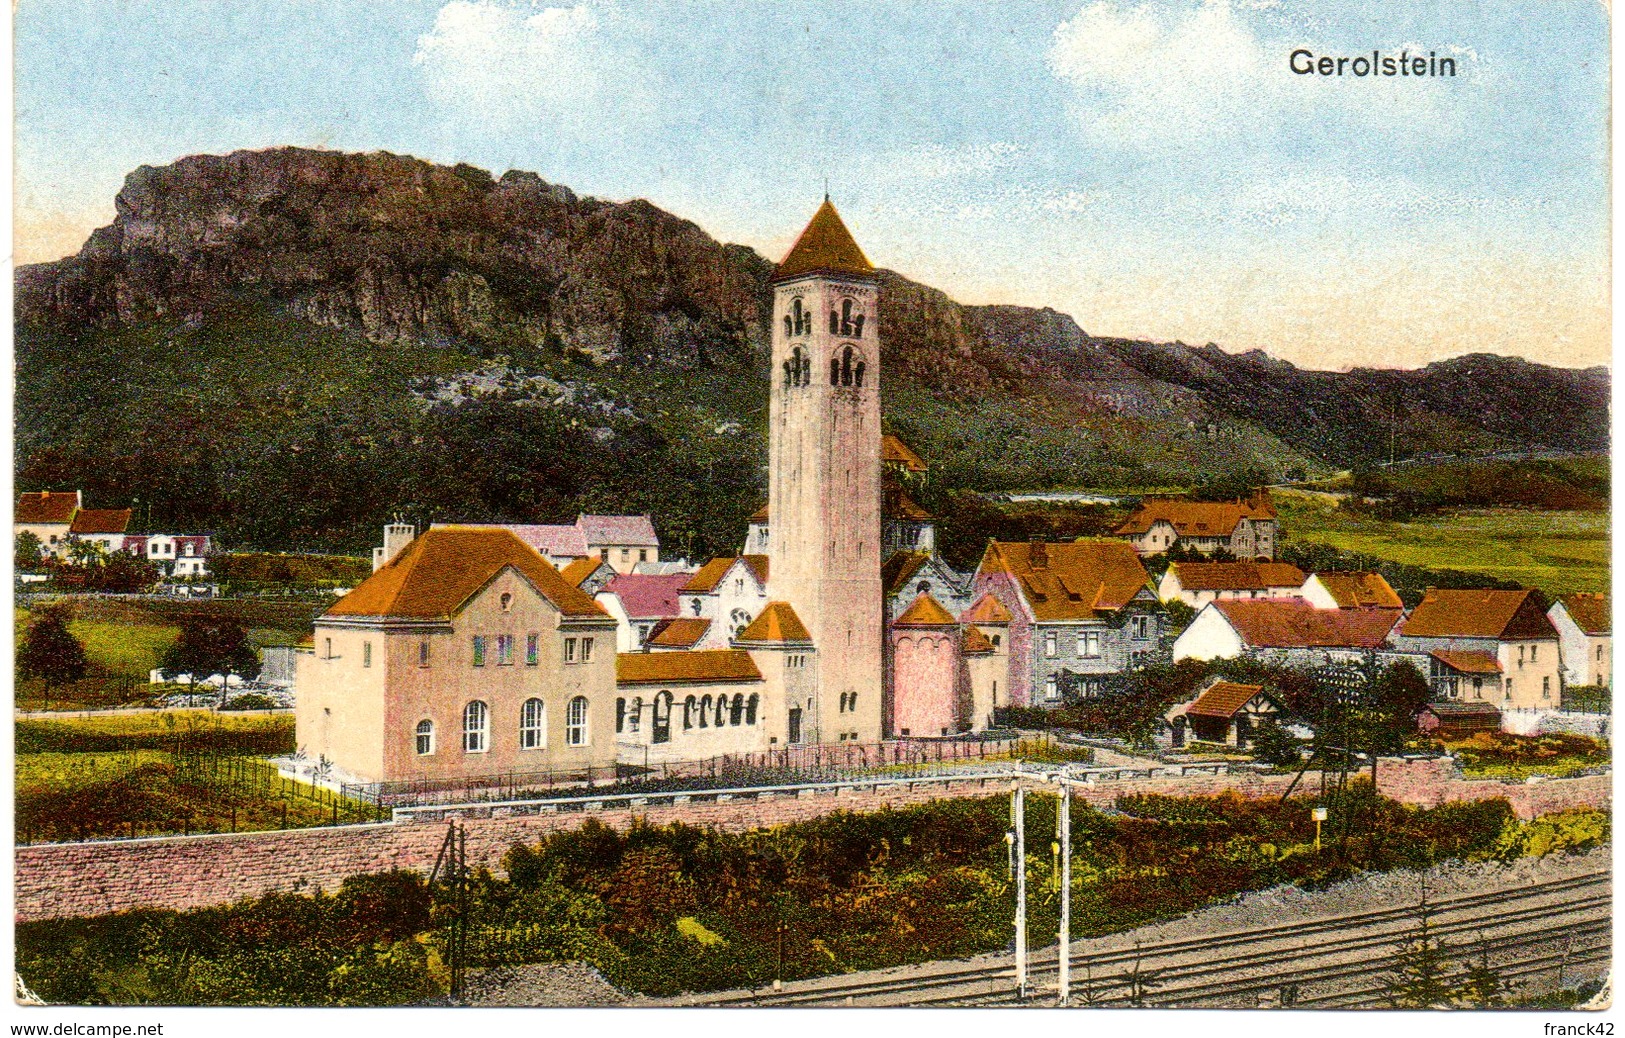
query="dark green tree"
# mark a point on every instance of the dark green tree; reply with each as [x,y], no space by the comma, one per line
[29,551]
[1273,744]
[1418,977]
[50,653]
[210,646]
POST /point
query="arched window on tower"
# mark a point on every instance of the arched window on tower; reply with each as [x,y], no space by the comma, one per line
[857,375]
[789,327]
[835,322]
[835,371]
[846,317]
[857,327]
[846,366]
[793,374]
[688,713]
[789,378]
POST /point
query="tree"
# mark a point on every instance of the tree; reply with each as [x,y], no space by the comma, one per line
[29,551]
[1273,744]
[50,652]
[1417,979]
[1397,695]
[210,646]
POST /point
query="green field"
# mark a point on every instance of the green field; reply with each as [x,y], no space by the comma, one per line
[159,773]
[1558,552]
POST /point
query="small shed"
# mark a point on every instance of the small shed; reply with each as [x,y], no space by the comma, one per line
[1224,712]
[1458,720]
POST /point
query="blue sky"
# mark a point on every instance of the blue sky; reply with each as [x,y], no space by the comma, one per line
[1153,169]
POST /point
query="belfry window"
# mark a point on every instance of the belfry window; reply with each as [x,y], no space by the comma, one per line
[846,366]
[835,371]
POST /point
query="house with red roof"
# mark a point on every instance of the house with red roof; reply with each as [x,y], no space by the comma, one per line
[1585,628]
[638,602]
[1225,712]
[1198,583]
[621,541]
[466,654]
[1248,529]
[1501,641]
[1286,631]
[48,515]
[1080,612]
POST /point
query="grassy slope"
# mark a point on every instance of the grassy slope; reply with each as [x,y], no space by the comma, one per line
[1558,552]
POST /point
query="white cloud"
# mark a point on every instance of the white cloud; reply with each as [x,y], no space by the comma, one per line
[1285,199]
[521,64]
[1195,76]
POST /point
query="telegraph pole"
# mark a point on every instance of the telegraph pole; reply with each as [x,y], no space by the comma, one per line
[1064,822]
[1018,807]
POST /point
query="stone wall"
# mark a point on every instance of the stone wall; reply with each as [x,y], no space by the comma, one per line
[56,880]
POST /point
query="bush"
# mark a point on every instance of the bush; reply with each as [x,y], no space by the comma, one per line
[1567,832]
[250,701]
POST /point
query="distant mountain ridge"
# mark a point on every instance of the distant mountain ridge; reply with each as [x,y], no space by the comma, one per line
[442,293]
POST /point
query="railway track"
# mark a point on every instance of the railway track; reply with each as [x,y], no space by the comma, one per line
[1326,961]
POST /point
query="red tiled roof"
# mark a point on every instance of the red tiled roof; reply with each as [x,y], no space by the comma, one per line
[898,505]
[987,610]
[562,542]
[576,572]
[100,520]
[646,595]
[824,246]
[900,568]
[975,643]
[47,506]
[1358,588]
[777,625]
[1197,518]
[634,530]
[437,573]
[1223,699]
[760,515]
[1468,662]
[1478,613]
[706,666]
[679,633]
[925,612]
[1294,623]
[710,575]
[1589,611]
[1236,576]
[1070,581]
[894,450]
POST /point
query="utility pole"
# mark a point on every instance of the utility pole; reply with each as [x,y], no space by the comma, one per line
[1064,822]
[1018,808]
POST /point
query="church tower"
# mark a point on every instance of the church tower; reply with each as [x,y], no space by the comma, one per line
[824,472]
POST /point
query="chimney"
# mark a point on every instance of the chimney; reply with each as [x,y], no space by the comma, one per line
[397,535]
[1038,555]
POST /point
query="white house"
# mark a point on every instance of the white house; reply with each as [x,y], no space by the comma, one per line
[1585,629]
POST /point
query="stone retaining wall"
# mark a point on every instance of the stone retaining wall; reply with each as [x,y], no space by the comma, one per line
[57,880]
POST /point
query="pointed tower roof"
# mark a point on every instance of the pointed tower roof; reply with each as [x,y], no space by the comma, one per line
[925,612]
[778,624]
[826,246]
[987,610]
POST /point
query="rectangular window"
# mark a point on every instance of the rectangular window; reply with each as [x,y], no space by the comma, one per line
[626,554]
[1052,690]
[1599,654]
[1534,653]
[569,650]
[1051,647]
[533,651]
[1091,644]
[366,654]
[1142,627]
[586,650]
[504,650]
[1545,688]
[643,554]
[327,650]
[479,650]
[423,653]
[1478,688]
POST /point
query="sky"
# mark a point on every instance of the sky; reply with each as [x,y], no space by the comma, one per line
[1154,169]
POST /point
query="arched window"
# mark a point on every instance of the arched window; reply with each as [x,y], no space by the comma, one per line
[846,366]
[857,327]
[739,620]
[846,317]
[835,371]
[694,606]
[750,708]
[789,328]
[425,738]
[507,602]
[476,727]
[795,363]
[736,712]
[620,716]
[575,722]
[834,323]
[688,713]
[857,375]
[635,717]
[789,379]
[662,722]
[705,712]
[532,725]
[722,711]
